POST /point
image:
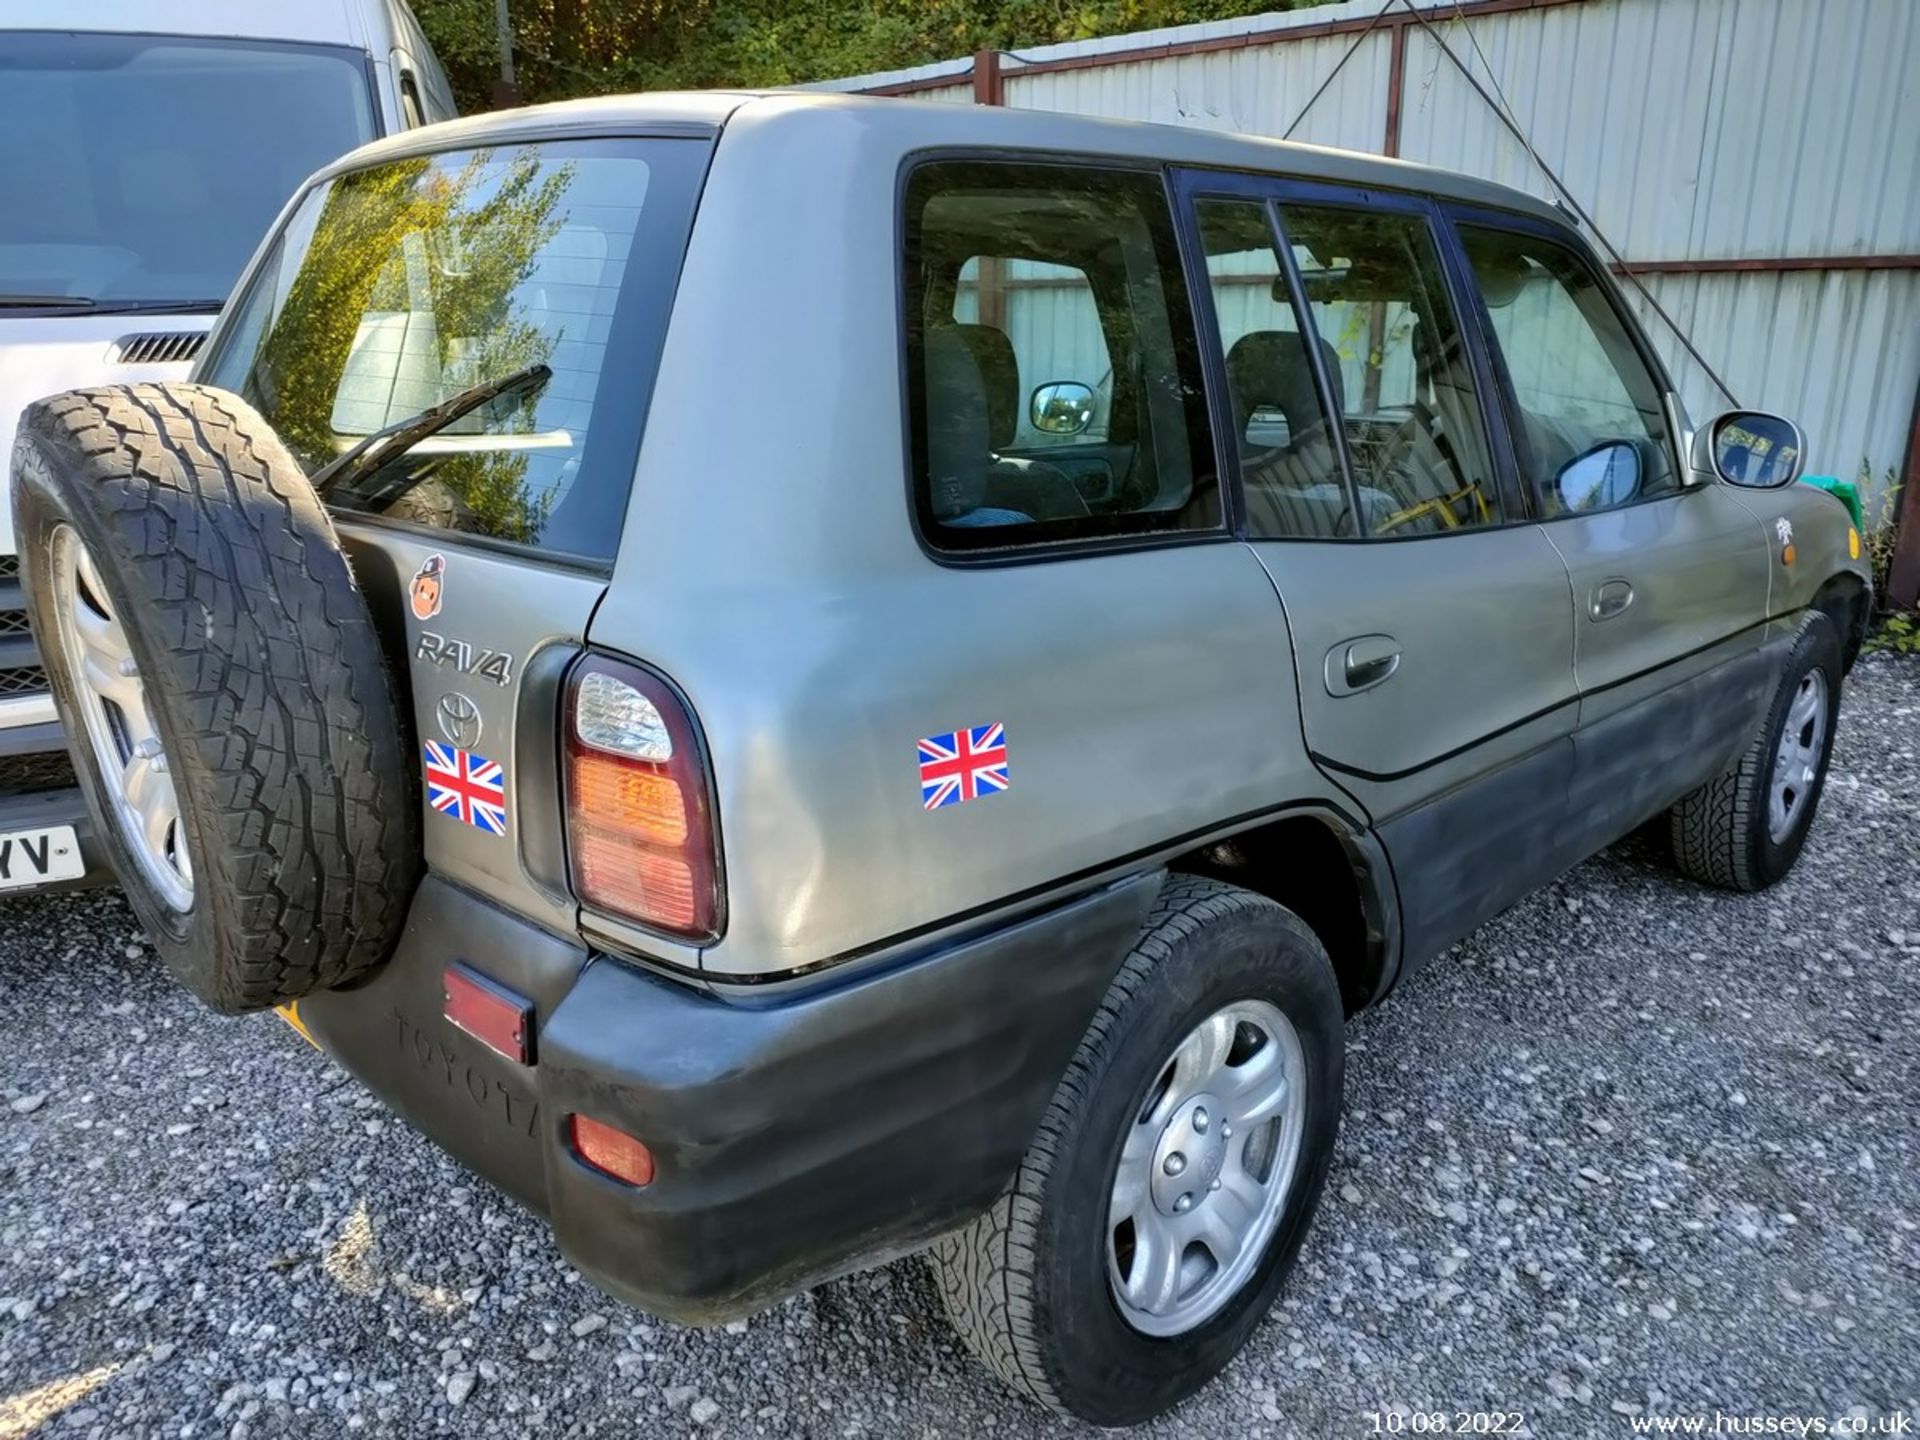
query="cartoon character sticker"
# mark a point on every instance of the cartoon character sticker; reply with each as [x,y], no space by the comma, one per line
[426,590]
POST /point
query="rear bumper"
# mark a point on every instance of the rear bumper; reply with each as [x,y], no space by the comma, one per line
[795,1139]
[30,755]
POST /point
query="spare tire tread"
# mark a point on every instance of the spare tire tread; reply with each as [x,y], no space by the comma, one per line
[238,571]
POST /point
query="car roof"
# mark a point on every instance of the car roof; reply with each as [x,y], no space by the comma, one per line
[319,22]
[923,124]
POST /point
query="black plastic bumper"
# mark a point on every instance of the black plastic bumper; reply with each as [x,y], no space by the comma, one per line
[795,1139]
[20,748]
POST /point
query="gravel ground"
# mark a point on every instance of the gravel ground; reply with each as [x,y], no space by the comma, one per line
[1634,1148]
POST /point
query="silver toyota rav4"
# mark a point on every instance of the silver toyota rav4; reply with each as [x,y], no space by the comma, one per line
[798,678]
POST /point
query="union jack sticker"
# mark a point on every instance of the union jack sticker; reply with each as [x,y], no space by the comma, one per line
[962,765]
[466,787]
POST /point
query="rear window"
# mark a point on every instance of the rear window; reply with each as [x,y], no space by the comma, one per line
[394,288]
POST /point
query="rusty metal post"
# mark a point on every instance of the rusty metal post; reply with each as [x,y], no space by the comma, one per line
[1903,577]
[989,85]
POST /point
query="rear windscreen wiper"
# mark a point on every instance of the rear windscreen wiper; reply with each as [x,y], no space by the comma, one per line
[87,304]
[372,451]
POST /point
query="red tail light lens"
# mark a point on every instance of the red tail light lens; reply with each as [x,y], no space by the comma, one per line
[639,822]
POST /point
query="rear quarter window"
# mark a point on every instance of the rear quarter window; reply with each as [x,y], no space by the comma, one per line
[393,288]
[1053,376]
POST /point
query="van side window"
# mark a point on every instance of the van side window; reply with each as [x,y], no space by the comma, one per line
[1415,431]
[410,113]
[1289,466]
[1592,428]
[1053,377]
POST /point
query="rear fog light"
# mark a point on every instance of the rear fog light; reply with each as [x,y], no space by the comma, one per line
[612,1152]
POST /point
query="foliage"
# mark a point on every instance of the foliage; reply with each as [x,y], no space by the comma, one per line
[1897,634]
[564,48]
[1881,527]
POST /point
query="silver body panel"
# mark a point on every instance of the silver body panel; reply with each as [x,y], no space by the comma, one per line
[497,615]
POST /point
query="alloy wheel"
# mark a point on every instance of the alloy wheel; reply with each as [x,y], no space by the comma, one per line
[119,726]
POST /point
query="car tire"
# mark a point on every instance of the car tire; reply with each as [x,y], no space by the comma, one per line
[1034,1286]
[186,540]
[1744,829]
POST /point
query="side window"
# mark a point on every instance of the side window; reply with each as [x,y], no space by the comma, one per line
[410,113]
[1415,431]
[1057,340]
[1289,465]
[1054,383]
[1591,423]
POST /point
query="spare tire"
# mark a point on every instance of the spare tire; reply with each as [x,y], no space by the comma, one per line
[228,705]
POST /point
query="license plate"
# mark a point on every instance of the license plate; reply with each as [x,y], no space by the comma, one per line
[36,857]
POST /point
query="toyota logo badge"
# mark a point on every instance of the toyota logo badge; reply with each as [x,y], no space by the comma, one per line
[459,720]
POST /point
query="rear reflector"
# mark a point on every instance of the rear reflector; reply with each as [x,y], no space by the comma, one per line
[489,1012]
[610,1151]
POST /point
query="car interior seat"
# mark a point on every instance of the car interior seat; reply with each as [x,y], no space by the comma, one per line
[1014,482]
[959,438]
[1297,484]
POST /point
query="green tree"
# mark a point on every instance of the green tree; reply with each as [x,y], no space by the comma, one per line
[565,48]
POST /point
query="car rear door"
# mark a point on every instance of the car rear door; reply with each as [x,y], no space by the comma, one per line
[1669,579]
[1430,619]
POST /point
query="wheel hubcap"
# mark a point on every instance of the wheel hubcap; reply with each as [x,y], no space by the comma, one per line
[1206,1168]
[112,701]
[1796,763]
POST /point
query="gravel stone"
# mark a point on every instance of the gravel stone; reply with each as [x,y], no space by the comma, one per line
[1752,1243]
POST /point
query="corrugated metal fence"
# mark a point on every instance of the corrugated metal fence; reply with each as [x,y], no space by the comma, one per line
[1756,161]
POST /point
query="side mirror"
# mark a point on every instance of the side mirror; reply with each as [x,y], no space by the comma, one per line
[1061,407]
[1752,449]
[1605,476]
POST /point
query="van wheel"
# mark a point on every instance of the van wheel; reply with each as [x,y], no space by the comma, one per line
[1744,829]
[225,696]
[1173,1177]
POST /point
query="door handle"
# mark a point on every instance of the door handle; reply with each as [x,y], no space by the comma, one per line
[1361,663]
[1609,599]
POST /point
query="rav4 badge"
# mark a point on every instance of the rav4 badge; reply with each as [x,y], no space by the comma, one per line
[464,659]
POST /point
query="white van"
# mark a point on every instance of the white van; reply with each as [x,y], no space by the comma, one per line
[146,149]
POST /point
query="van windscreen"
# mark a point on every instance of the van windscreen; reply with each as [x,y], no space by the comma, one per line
[394,288]
[139,170]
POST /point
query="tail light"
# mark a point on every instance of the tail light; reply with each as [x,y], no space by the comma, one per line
[639,822]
